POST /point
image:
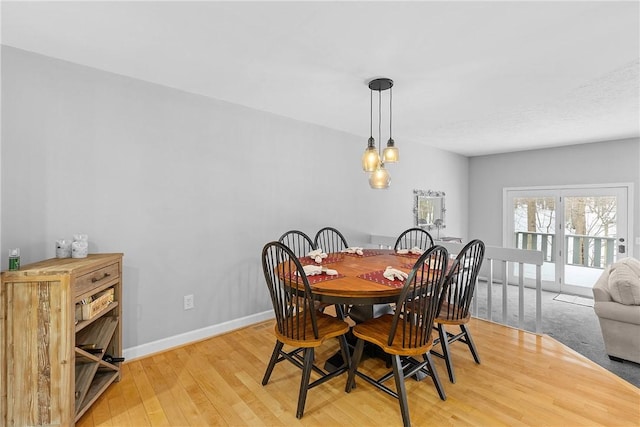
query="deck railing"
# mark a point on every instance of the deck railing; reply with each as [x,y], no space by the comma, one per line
[497,261]
[582,250]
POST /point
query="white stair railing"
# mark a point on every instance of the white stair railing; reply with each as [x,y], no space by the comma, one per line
[504,256]
[495,257]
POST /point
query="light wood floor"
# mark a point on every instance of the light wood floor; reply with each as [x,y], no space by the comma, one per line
[524,379]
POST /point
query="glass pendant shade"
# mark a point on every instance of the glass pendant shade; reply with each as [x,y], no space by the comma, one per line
[380,178]
[371,157]
[390,154]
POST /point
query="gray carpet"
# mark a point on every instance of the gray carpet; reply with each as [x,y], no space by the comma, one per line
[574,324]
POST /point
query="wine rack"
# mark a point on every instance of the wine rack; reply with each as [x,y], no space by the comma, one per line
[53,368]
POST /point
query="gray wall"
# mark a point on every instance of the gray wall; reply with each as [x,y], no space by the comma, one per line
[188,188]
[596,163]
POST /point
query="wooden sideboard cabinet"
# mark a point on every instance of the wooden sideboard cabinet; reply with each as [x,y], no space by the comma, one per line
[51,349]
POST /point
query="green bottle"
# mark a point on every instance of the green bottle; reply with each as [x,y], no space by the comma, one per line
[14,259]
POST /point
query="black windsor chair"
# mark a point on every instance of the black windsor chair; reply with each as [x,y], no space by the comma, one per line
[298,324]
[407,333]
[455,302]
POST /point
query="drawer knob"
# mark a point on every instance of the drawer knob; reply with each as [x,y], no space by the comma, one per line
[95,279]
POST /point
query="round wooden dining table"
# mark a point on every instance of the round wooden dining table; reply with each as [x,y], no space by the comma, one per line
[359,280]
[359,285]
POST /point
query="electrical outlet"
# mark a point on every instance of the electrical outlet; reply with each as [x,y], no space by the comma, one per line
[188,302]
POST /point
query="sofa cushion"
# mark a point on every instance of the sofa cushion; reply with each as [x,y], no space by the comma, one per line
[624,281]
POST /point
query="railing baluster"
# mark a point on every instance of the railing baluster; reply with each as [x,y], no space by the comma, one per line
[538,298]
[597,252]
[610,248]
[520,295]
[576,250]
[474,301]
[489,287]
[505,297]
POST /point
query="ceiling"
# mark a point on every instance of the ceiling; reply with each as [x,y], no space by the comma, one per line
[470,77]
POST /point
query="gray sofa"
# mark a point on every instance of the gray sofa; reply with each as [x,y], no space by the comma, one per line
[617,304]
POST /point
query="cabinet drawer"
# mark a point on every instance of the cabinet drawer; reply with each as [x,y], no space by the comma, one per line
[96,278]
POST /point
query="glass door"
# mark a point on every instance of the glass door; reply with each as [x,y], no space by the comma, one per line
[580,231]
[595,234]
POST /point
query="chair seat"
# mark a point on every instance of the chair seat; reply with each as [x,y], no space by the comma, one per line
[451,308]
[328,327]
[376,331]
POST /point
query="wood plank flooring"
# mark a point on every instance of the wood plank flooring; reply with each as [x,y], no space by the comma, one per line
[523,380]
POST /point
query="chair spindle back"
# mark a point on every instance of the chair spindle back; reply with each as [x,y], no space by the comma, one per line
[290,292]
[299,243]
[417,304]
[459,285]
[414,237]
[330,240]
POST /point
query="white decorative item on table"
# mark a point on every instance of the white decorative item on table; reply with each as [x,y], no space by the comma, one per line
[317,255]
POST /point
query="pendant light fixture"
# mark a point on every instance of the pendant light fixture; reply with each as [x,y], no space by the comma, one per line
[390,153]
[373,160]
[371,157]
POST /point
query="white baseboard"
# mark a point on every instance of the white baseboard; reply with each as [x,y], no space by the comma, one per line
[193,336]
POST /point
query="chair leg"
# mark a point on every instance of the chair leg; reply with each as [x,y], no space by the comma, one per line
[398,375]
[434,376]
[344,348]
[470,343]
[304,382]
[274,358]
[444,342]
[355,360]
